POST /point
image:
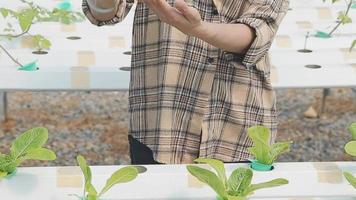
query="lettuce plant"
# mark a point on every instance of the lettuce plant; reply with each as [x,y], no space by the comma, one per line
[343,17]
[350,149]
[27,17]
[237,187]
[353,45]
[28,146]
[263,152]
[123,175]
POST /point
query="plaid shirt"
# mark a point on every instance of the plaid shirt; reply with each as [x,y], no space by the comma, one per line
[189,99]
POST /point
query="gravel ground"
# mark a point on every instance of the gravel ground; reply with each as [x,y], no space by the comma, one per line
[95,124]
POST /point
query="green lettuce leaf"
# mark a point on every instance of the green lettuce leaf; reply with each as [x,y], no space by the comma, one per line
[263,152]
[260,136]
[208,178]
[217,165]
[91,189]
[40,154]
[350,148]
[277,149]
[85,168]
[350,178]
[239,181]
[3,174]
[269,184]
[352,130]
[29,140]
[7,164]
[25,18]
[122,175]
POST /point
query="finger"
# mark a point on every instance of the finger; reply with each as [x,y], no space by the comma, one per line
[168,13]
[190,13]
[164,7]
[152,4]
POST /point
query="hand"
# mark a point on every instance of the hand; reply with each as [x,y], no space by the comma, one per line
[185,18]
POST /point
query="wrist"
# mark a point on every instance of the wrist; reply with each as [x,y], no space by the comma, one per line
[203,31]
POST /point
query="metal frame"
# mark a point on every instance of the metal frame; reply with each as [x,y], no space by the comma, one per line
[3,106]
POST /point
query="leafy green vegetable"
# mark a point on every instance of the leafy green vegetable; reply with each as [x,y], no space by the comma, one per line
[26,17]
[350,149]
[352,130]
[261,149]
[272,183]
[350,178]
[33,14]
[3,174]
[239,180]
[28,146]
[209,178]
[343,16]
[353,44]
[237,187]
[217,165]
[123,175]
[41,42]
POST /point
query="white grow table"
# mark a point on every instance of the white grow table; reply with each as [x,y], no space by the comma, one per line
[308,181]
[97,61]
[94,61]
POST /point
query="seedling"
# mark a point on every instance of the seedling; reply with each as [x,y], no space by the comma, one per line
[29,16]
[237,187]
[305,50]
[353,45]
[350,149]
[123,175]
[264,153]
[342,19]
[28,146]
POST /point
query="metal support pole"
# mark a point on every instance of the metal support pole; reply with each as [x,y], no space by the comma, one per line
[3,106]
[326,93]
[354,89]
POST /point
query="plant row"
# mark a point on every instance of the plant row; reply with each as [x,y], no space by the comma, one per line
[238,186]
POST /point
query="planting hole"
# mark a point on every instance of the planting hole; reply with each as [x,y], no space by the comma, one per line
[127,52]
[305,51]
[126,69]
[141,169]
[313,66]
[74,38]
[40,52]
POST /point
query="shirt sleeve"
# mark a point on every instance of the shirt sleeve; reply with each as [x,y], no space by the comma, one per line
[264,16]
[123,9]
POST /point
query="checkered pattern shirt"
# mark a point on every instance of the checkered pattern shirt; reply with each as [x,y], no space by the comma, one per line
[189,99]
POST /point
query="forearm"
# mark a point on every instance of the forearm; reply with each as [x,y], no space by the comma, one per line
[104,9]
[235,38]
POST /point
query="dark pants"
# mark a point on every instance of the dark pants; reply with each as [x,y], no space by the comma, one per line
[140,154]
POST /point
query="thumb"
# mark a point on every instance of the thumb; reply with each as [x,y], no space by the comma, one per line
[190,13]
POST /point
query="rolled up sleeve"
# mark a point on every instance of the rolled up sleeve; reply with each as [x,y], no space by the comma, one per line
[122,10]
[264,16]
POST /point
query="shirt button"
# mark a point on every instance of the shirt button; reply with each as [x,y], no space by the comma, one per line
[211,60]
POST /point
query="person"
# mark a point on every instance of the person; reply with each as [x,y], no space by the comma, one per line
[200,75]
